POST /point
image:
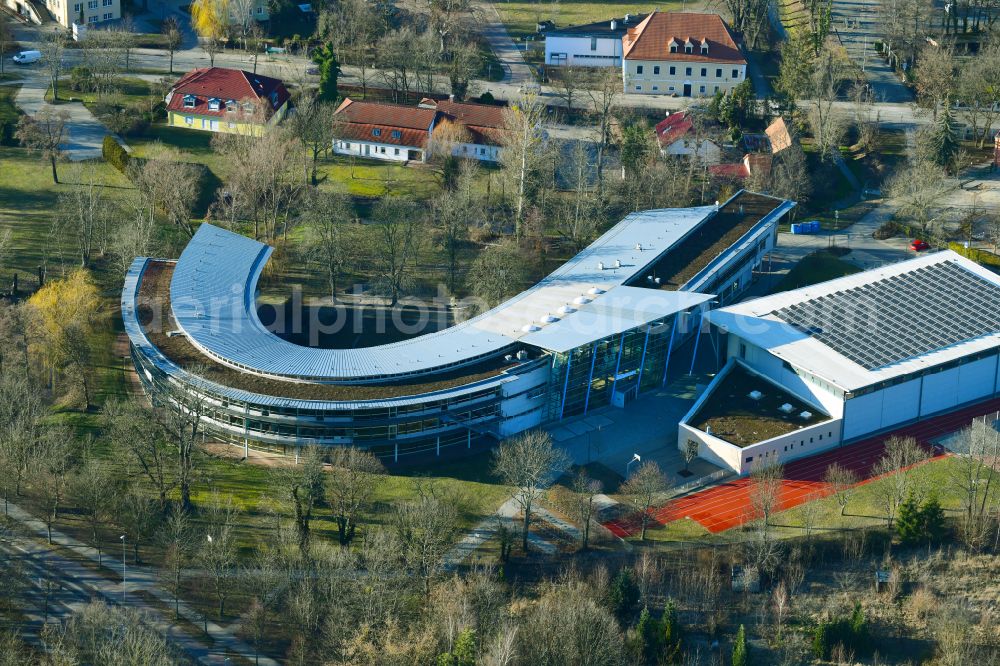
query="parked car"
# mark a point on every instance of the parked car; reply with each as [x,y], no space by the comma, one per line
[919,246]
[27,57]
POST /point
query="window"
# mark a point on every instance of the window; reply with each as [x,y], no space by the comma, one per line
[704,47]
[213,104]
[376,132]
[688,48]
[638,69]
[274,99]
[656,87]
[671,88]
[718,73]
[382,150]
[701,89]
[260,10]
[77,7]
[232,125]
[736,73]
[91,4]
[188,120]
[716,89]
[638,87]
[743,350]
[656,69]
[347,146]
[190,101]
[108,16]
[673,48]
[230,105]
[673,70]
[396,151]
[704,71]
[106,3]
[749,458]
[396,134]
[593,43]
[687,71]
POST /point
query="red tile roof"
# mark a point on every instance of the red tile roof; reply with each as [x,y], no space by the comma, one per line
[779,136]
[650,40]
[224,84]
[391,124]
[672,128]
[737,171]
[413,123]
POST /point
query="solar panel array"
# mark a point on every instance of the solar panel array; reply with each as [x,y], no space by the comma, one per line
[901,317]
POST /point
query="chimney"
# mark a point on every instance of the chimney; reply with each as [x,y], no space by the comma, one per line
[614,24]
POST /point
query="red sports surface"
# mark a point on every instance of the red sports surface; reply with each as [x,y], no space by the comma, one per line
[727,505]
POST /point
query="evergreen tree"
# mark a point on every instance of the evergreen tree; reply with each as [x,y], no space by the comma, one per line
[329,70]
[932,517]
[623,594]
[942,143]
[909,524]
[741,655]
[463,653]
[646,636]
[671,650]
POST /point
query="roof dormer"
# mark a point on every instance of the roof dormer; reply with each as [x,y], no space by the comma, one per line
[704,47]
[673,45]
[688,46]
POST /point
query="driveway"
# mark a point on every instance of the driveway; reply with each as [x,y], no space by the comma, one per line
[84,133]
[516,71]
[856,24]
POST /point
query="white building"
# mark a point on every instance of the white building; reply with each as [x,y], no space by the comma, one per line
[590,45]
[862,354]
[672,53]
[677,138]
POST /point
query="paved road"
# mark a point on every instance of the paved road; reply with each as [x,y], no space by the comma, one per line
[516,71]
[80,581]
[856,24]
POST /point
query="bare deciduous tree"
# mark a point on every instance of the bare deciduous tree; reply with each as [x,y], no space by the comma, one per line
[301,486]
[585,491]
[497,273]
[396,235]
[645,488]
[426,528]
[528,463]
[44,134]
[523,153]
[354,478]
[843,481]
[974,474]
[894,470]
[217,553]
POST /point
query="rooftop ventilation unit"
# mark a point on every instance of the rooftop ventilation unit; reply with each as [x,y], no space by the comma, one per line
[530,328]
[522,355]
[549,319]
[805,416]
[595,291]
[618,263]
[786,408]
[600,265]
[566,309]
[581,300]
[756,395]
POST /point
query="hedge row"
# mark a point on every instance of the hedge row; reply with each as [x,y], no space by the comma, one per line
[979,256]
[114,154]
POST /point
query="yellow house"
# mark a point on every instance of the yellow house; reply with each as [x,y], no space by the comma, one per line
[216,99]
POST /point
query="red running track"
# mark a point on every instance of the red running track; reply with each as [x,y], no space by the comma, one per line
[727,505]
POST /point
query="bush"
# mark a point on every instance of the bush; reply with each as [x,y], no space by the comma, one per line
[979,256]
[487,98]
[114,154]
[7,129]
[851,632]
[81,79]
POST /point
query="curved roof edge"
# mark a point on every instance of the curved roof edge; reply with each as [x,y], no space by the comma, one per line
[138,338]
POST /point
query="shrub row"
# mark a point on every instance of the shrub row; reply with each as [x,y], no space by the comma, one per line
[114,154]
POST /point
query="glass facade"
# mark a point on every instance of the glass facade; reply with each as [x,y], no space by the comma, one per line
[612,370]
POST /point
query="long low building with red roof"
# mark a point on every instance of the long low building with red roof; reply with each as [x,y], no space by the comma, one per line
[216,99]
[399,133]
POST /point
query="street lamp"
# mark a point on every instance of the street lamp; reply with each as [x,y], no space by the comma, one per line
[122,538]
[628,466]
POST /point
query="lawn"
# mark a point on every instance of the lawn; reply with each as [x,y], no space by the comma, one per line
[8,112]
[817,267]
[521,17]
[28,198]
[863,508]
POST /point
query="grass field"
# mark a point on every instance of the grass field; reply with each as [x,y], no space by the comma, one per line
[817,267]
[521,17]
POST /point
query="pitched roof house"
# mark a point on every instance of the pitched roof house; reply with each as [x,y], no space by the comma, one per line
[675,134]
[681,53]
[404,133]
[216,99]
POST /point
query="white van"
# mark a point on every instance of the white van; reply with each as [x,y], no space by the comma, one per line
[27,57]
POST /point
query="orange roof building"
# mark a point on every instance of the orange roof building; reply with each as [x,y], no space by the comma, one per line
[400,133]
[681,53]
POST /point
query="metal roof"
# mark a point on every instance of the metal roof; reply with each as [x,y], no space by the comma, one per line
[139,339]
[214,285]
[872,326]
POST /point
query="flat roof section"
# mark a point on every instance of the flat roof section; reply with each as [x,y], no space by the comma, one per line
[213,299]
[865,328]
[731,414]
[697,250]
